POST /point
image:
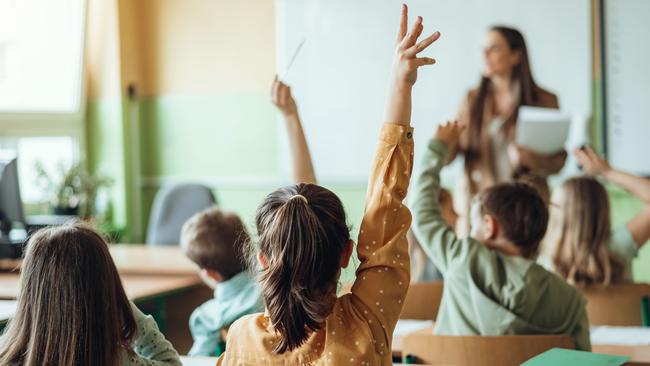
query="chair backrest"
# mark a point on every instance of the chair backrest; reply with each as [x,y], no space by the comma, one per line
[172,206]
[422,301]
[480,350]
[620,304]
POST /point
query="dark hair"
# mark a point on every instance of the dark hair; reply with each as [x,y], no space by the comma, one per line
[524,174]
[520,211]
[302,233]
[72,309]
[521,74]
[213,239]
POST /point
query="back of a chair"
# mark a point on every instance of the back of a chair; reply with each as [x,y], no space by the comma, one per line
[172,207]
[480,350]
[620,305]
[422,301]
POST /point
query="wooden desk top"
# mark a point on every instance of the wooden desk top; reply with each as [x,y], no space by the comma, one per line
[137,287]
[211,361]
[158,260]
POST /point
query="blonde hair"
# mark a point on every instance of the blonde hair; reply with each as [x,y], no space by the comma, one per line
[579,234]
[214,240]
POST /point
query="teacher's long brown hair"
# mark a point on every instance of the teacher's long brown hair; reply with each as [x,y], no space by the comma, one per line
[72,309]
[528,92]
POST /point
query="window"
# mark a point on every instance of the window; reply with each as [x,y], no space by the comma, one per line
[42,101]
[41,53]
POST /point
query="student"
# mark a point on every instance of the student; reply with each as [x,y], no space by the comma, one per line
[72,309]
[492,285]
[580,245]
[213,239]
[304,242]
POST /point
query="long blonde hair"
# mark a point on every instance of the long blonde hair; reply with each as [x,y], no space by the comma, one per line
[72,309]
[579,234]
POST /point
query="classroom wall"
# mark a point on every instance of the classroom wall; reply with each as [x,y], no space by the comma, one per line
[104,118]
[202,71]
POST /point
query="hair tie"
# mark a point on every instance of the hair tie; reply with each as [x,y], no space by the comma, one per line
[301,197]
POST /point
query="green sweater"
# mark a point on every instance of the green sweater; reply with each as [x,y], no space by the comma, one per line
[486,292]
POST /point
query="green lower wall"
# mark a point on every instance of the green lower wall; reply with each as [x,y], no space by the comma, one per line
[227,138]
[105,152]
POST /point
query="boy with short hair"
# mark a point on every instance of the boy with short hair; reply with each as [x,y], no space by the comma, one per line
[212,239]
[492,285]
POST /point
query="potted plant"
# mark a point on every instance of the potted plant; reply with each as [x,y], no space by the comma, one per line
[73,190]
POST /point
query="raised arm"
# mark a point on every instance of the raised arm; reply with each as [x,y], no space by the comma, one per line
[383,275]
[639,225]
[437,239]
[303,169]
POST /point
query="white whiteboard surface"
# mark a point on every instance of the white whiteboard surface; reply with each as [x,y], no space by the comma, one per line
[627,27]
[340,77]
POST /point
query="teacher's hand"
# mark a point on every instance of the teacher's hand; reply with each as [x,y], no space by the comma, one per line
[540,164]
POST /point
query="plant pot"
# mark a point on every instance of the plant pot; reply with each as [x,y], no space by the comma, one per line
[66,211]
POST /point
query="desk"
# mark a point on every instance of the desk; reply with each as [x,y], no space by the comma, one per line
[637,354]
[211,361]
[158,260]
[138,288]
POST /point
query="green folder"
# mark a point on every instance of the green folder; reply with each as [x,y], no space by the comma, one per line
[568,357]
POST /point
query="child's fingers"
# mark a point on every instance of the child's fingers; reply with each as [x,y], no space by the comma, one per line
[422,45]
[282,97]
[413,34]
[592,154]
[403,24]
[274,93]
[422,61]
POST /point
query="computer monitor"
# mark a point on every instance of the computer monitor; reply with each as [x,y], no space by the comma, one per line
[11,205]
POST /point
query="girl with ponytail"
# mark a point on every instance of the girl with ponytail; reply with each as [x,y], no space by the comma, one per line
[304,242]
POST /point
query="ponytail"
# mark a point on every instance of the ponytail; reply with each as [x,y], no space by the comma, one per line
[302,232]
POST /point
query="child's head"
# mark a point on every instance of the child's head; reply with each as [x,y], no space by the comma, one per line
[447,208]
[509,217]
[580,232]
[523,174]
[304,241]
[72,309]
[213,240]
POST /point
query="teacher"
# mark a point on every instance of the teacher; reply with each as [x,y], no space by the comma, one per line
[490,114]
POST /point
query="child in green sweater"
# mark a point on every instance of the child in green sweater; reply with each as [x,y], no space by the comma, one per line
[492,284]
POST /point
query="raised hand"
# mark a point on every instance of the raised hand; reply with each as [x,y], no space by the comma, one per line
[281,97]
[591,162]
[407,61]
[449,133]
[405,68]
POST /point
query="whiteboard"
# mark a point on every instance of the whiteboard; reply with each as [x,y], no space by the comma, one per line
[340,76]
[627,84]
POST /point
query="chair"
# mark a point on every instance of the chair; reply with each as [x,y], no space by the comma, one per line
[624,304]
[480,350]
[422,301]
[172,206]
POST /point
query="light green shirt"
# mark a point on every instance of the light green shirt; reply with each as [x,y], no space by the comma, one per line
[234,298]
[486,292]
[150,346]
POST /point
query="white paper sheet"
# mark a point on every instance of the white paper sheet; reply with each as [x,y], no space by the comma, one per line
[620,336]
[542,130]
